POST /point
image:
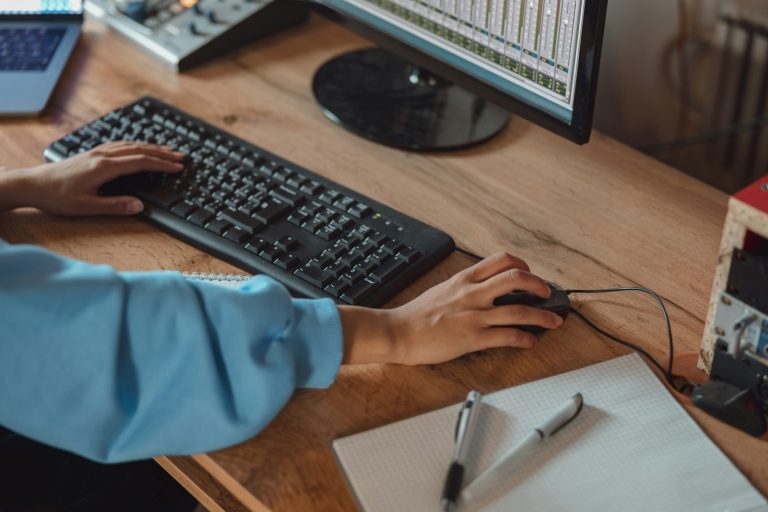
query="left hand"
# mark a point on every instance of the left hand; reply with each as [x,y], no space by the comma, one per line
[70,187]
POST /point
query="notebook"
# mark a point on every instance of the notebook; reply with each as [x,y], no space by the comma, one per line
[226,280]
[632,448]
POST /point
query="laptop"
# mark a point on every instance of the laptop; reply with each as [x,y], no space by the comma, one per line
[36,39]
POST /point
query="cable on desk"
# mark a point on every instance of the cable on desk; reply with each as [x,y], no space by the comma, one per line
[668,372]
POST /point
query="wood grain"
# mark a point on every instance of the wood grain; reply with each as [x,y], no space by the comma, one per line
[593,216]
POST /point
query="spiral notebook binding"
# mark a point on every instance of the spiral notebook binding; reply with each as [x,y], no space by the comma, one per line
[216,277]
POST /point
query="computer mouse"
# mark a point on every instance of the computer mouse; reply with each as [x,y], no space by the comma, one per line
[558,302]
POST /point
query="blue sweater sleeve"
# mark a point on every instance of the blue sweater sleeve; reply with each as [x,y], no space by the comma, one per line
[122,366]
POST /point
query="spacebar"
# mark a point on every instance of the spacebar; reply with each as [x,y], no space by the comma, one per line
[161,197]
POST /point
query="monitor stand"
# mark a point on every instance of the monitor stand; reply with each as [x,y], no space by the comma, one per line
[382,98]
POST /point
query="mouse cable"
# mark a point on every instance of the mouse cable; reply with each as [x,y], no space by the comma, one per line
[668,372]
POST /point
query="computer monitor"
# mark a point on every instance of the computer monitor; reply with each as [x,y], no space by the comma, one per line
[447,72]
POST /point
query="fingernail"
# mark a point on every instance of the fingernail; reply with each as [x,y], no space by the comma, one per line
[558,320]
[178,165]
[134,207]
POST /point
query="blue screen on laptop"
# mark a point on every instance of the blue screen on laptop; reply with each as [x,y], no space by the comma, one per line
[40,6]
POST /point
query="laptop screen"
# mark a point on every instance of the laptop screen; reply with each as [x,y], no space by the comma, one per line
[41,6]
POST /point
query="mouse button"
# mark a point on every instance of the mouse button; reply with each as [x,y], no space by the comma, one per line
[512,298]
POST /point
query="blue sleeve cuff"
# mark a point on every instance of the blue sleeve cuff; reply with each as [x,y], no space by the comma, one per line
[317,340]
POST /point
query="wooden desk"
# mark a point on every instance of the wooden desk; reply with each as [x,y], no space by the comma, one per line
[594,216]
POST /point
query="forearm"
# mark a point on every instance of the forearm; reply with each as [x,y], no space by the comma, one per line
[15,188]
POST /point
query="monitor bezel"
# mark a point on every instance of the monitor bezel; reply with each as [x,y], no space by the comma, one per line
[585,90]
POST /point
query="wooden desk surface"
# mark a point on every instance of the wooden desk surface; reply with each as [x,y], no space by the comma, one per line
[594,216]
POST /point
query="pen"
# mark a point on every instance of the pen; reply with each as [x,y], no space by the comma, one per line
[465,431]
[498,472]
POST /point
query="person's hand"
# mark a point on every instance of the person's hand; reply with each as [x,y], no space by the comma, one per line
[450,319]
[70,187]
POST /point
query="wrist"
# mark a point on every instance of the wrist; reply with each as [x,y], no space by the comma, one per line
[369,335]
[17,188]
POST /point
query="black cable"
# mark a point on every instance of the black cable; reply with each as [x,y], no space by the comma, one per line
[706,136]
[634,347]
[468,253]
[668,372]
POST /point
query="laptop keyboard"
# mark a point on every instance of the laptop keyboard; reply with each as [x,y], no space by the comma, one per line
[28,49]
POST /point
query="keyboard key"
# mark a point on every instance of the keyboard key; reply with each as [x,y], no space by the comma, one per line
[336,250]
[313,225]
[369,265]
[338,268]
[323,260]
[287,195]
[269,168]
[344,203]
[327,233]
[296,181]
[392,246]
[344,222]
[183,209]
[388,269]
[287,261]
[201,217]
[287,243]
[359,211]
[256,244]
[336,288]
[243,221]
[314,275]
[63,147]
[272,212]
[409,254]
[282,175]
[312,188]
[378,238]
[353,275]
[297,219]
[237,235]
[218,226]
[325,214]
[162,197]
[351,258]
[367,247]
[380,255]
[270,253]
[359,291]
[329,196]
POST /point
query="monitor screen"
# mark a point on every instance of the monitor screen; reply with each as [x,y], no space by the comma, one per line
[41,6]
[528,49]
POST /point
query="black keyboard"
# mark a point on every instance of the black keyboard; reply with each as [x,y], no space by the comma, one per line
[263,213]
[28,49]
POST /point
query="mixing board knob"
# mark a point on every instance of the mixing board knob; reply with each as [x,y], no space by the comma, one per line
[193,28]
[211,15]
[136,10]
[197,8]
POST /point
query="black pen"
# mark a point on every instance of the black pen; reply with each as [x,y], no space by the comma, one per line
[465,431]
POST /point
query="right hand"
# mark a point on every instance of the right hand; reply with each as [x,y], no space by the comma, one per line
[451,319]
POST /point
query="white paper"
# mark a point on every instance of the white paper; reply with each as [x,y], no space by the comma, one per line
[632,448]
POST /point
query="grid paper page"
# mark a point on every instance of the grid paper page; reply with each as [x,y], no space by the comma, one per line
[632,448]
